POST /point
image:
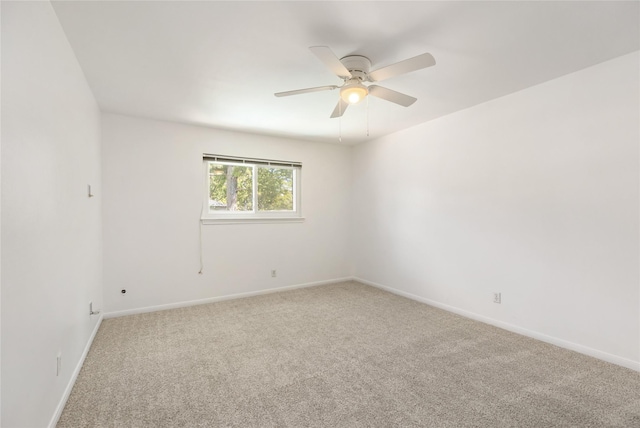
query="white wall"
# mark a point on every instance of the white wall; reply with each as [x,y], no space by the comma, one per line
[51,233]
[153,190]
[534,195]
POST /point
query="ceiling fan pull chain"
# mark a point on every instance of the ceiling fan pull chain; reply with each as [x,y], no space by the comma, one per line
[340,123]
[367,107]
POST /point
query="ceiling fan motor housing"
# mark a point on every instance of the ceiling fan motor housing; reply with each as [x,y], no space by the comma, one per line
[358,66]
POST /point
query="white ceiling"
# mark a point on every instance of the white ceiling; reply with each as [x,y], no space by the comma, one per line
[219,63]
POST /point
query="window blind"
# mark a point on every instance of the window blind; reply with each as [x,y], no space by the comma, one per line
[269,162]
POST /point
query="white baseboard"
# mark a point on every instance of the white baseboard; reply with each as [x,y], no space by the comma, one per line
[219,298]
[74,376]
[610,358]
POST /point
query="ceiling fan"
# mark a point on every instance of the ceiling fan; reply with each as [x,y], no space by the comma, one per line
[354,71]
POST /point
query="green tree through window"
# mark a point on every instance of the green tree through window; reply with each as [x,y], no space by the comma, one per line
[275,189]
[231,188]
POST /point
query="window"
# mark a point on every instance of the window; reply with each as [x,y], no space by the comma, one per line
[251,190]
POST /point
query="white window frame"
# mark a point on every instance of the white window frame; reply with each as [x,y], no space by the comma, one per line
[255,216]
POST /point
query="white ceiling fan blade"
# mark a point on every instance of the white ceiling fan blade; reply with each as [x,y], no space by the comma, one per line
[326,55]
[393,96]
[340,108]
[408,65]
[305,91]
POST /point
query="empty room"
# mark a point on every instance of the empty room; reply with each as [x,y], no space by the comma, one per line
[320,214]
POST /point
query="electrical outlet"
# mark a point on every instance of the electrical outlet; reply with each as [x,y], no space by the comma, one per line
[91,311]
[274,273]
[497,297]
[59,363]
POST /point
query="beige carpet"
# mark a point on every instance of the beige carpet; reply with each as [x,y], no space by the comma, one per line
[340,355]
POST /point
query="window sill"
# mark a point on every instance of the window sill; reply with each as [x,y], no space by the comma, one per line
[251,220]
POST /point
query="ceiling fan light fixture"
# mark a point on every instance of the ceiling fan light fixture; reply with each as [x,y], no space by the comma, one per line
[353,93]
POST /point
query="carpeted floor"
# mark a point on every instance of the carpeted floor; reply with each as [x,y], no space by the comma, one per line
[340,355]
